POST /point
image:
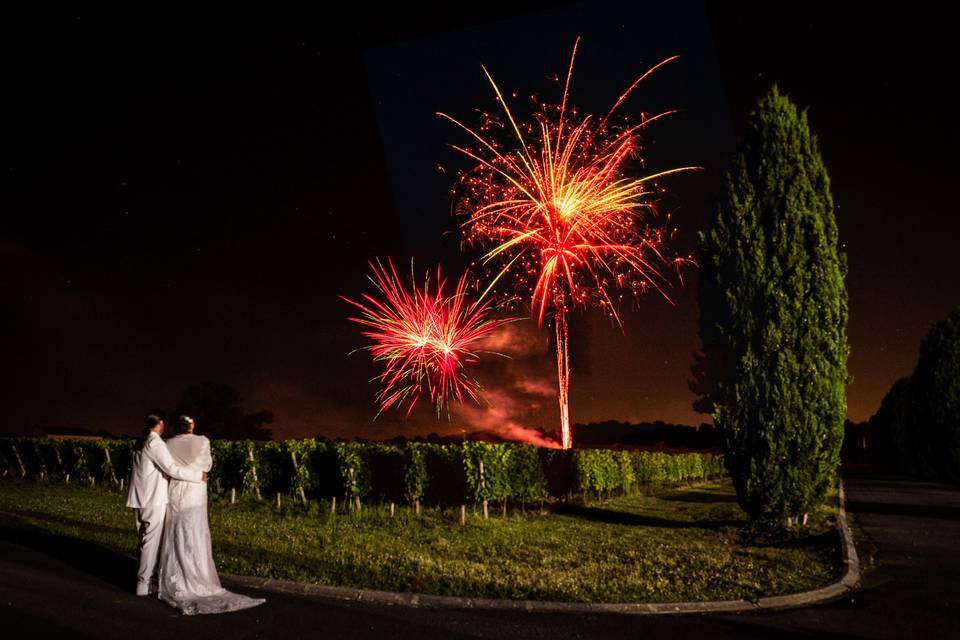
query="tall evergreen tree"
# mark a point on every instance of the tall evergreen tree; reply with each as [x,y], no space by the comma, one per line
[773,317]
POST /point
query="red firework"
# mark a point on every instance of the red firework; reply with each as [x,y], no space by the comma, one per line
[424,337]
[560,213]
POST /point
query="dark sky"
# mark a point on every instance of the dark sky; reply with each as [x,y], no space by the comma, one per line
[184,196]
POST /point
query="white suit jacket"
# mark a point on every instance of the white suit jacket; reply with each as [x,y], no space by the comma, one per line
[151,466]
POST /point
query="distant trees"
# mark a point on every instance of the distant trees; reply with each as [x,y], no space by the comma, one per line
[773,317]
[219,414]
[647,434]
[890,427]
[935,388]
[918,422]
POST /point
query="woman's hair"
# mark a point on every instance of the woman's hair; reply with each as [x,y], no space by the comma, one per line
[185,424]
[152,419]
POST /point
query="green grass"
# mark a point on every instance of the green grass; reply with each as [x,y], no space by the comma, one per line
[673,545]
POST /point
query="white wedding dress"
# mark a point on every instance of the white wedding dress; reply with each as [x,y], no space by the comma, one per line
[188,577]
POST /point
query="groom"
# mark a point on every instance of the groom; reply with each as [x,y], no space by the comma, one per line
[152,465]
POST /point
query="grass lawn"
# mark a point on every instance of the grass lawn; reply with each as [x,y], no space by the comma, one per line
[672,545]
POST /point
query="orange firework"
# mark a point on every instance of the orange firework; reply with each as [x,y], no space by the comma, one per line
[425,338]
[563,214]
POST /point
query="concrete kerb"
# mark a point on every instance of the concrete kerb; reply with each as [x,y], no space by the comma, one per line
[847,582]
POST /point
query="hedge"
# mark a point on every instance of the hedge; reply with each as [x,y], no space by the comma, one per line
[444,475]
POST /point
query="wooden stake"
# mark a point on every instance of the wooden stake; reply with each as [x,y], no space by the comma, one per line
[296,468]
[463,515]
[253,472]
[278,501]
[392,508]
[333,506]
[113,476]
[233,495]
[486,512]
[23,469]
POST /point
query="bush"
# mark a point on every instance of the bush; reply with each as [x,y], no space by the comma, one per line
[274,468]
[448,483]
[416,479]
[487,470]
[76,459]
[30,451]
[121,454]
[387,464]
[229,460]
[354,469]
[529,481]
[300,452]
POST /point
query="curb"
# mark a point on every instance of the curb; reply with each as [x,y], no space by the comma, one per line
[848,582]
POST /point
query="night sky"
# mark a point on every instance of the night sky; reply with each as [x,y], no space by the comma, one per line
[185,196]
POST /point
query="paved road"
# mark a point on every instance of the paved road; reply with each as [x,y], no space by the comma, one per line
[908,532]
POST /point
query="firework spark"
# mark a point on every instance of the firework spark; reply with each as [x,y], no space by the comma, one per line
[562,214]
[425,338]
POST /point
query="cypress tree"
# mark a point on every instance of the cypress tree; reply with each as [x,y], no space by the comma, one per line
[773,317]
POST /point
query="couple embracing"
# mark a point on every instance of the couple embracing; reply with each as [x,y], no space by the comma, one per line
[168,491]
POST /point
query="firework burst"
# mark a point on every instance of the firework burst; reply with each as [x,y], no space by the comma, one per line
[424,337]
[560,212]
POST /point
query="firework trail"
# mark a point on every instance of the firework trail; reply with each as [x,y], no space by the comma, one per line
[559,212]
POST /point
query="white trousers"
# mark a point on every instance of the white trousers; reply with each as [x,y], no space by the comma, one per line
[150,530]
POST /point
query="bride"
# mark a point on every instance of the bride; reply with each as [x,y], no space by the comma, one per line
[188,578]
